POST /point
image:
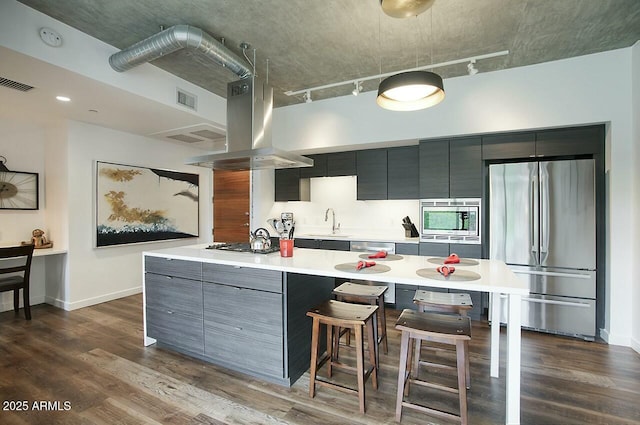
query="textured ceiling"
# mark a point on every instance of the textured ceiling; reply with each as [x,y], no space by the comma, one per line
[310,43]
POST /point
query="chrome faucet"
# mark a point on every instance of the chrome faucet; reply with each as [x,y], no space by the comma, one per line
[334,228]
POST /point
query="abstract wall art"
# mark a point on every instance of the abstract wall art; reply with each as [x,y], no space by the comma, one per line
[138,204]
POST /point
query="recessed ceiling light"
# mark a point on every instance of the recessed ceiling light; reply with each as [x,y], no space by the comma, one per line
[63,98]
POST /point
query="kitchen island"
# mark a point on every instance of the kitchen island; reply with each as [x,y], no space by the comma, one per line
[247,311]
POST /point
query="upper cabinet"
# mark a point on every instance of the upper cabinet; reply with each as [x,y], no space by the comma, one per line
[451,168]
[288,185]
[547,143]
[465,168]
[371,167]
[319,168]
[434,169]
[403,171]
[341,164]
[509,146]
[571,141]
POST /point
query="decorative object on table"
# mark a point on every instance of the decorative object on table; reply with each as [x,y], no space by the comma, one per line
[284,226]
[462,261]
[452,259]
[140,204]
[445,270]
[388,257]
[286,247]
[352,267]
[410,230]
[460,275]
[38,240]
[18,189]
[379,254]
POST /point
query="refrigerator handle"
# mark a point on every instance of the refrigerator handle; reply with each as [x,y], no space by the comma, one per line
[533,226]
[544,212]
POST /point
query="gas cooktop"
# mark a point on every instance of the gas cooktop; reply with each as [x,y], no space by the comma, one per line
[241,247]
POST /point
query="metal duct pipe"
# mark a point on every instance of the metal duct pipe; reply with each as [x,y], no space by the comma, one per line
[175,38]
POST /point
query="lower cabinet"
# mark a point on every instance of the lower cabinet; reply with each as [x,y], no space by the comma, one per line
[174,312]
[244,328]
[329,244]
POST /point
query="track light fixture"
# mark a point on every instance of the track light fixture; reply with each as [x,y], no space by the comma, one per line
[306,92]
[357,88]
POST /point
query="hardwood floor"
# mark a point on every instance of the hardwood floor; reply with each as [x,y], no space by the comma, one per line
[93,364]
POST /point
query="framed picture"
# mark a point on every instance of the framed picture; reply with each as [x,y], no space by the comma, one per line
[139,204]
[18,190]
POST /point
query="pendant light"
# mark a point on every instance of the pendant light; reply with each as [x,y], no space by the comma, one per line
[405,8]
[412,90]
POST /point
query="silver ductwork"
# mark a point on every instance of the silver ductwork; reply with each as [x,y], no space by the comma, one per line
[249,101]
[175,38]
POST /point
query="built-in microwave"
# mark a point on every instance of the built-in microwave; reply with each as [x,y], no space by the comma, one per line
[450,220]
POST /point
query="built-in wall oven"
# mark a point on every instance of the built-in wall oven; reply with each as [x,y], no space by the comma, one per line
[450,220]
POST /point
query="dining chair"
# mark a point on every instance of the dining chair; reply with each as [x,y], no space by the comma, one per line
[15,267]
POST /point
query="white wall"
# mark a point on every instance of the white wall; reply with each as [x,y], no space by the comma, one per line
[635,191]
[97,275]
[366,218]
[584,90]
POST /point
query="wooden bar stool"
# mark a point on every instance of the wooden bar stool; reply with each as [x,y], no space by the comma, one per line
[372,295]
[343,315]
[445,329]
[441,302]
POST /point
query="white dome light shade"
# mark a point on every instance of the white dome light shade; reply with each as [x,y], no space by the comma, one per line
[410,91]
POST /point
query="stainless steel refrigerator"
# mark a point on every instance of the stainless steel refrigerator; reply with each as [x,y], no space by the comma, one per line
[543,225]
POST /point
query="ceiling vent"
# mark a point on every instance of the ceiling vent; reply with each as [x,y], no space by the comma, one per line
[203,136]
[187,100]
[5,82]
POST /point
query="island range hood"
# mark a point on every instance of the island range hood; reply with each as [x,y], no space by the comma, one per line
[249,111]
[249,100]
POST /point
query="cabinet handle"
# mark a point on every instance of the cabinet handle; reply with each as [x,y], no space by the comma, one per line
[238,328]
[169,311]
[237,267]
[169,277]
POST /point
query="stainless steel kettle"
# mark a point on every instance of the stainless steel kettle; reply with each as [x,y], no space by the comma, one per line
[260,240]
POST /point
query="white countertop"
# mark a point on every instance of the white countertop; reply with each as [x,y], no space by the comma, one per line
[495,275]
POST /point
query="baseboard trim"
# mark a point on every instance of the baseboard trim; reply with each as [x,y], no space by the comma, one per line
[8,305]
[69,306]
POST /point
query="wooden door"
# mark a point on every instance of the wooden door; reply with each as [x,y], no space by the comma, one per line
[230,206]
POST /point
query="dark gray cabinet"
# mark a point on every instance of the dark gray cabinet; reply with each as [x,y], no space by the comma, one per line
[570,141]
[319,168]
[329,244]
[434,169]
[434,249]
[407,248]
[287,182]
[403,173]
[465,168]
[372,174]
[451,168]
[244,328]
[341,164]
[546,143]
[509,146]
[173,300]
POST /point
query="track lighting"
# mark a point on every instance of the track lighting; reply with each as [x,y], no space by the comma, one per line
[357,88]
[432,79]
[471,68]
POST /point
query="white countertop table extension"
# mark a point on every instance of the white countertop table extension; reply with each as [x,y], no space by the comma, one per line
[495,278]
